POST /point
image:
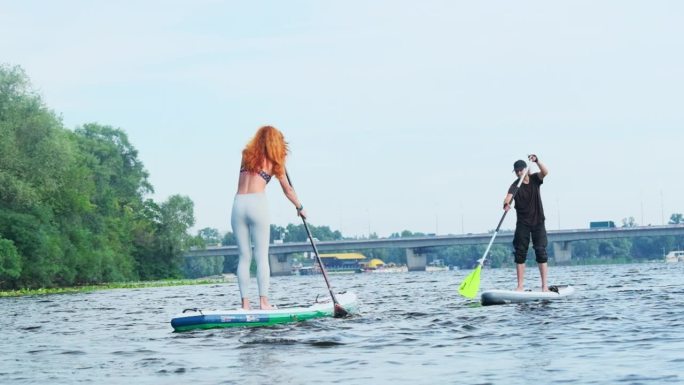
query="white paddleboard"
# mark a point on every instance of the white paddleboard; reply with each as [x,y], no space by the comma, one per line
[501,297]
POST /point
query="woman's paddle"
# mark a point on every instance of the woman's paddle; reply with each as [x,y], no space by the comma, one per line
[471,283]
[338,311]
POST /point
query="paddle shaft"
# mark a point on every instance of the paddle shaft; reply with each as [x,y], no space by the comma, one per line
[318,257]
[491,241]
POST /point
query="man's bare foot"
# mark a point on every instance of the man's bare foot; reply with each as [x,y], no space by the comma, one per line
[519,288]
[545,288]
[267,307]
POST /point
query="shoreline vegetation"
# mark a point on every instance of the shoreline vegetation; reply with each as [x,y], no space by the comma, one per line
[227,278]
[119,285]
[75,202]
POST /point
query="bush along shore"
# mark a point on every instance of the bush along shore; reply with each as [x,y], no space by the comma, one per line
[119,285]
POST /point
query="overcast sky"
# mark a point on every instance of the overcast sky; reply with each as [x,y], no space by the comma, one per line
[400,114]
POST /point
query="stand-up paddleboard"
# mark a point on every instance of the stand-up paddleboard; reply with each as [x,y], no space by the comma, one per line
[207,319]
[501,297]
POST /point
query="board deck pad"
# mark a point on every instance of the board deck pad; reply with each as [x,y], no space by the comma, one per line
[501,297]
[208,319]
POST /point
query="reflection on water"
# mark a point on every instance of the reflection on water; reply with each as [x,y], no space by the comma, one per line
[625,324]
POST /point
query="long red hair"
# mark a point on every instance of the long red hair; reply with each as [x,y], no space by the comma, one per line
[267,144]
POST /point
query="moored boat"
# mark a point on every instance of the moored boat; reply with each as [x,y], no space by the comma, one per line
[376,265]
[675,256]
[436,265]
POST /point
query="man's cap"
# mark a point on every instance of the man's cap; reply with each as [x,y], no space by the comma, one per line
[519,165]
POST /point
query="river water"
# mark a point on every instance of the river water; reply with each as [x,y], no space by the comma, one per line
[624,325]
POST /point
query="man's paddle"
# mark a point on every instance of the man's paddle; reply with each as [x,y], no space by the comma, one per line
[338,311]
[471,283]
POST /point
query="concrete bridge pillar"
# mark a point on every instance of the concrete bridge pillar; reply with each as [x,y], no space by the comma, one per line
[281,264]
[562,251]
[415,261]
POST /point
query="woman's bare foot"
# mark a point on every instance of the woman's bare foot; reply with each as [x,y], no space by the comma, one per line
[519,288]
[264,305]
[544,288]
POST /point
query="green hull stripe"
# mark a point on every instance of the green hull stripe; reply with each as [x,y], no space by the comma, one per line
[273,319]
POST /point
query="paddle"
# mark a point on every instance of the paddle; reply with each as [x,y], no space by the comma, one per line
[471,283]
[338,311]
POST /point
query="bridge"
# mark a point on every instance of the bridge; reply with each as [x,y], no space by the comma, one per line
[416,247]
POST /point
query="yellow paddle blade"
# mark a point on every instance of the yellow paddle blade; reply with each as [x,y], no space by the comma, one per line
[471,283]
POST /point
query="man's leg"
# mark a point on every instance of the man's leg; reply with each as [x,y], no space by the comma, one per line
[521,242]
[539,242]
[520,272]
[543,272]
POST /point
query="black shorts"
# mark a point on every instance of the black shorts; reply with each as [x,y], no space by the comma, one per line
[521,242]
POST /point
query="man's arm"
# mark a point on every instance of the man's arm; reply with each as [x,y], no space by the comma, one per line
[507,201]
[543,171]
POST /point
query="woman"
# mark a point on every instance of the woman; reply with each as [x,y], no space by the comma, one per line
[262,158]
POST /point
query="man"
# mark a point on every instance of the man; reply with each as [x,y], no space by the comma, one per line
[530,223]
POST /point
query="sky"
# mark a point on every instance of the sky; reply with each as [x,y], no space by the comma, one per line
[400,115]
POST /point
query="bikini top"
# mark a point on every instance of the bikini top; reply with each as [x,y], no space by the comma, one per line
[261,173]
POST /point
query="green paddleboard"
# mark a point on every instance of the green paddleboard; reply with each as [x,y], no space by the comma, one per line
[208,319]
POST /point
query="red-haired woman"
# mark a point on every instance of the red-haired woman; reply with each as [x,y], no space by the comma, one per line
[262,158]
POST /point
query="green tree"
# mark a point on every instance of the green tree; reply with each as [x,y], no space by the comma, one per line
[585,249]
[229,239]
[72,204]
[121,222]
[614,248]
[198,267]
[676,219]
[175,217]
[629,222]
[277,232]
[10,262]
[210,236]
[43,187]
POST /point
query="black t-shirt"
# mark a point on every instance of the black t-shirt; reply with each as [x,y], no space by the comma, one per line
[528,204]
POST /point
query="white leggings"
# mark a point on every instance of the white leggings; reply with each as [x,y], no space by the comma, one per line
[250,219]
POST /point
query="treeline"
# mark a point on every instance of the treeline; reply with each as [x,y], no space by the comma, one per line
[637,249]
[501,255]
[73,206]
